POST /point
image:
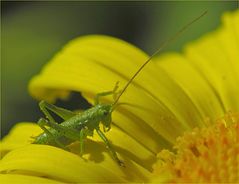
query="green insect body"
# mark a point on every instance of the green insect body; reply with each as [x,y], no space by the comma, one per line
[88,120]
[77,126]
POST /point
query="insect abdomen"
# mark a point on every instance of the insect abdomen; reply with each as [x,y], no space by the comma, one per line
[49,140]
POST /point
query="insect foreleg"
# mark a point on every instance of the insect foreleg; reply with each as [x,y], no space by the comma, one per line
[63,113]
[98,95]
[42,123]
[109,146]
[83,134]
[106,93]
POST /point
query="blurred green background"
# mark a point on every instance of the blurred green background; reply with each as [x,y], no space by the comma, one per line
[33,31]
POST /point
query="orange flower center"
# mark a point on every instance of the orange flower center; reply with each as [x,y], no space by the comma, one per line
[204,155]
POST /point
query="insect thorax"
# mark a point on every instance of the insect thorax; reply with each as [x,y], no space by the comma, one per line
[91,117]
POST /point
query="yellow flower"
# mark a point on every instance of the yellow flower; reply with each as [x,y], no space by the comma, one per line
[171,96]
[204,155]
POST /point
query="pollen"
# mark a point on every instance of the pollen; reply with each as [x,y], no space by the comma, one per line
[206,155]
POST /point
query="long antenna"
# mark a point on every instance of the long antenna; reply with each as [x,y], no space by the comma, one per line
[164,44]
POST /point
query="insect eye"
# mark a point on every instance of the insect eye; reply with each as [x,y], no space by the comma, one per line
[105,113]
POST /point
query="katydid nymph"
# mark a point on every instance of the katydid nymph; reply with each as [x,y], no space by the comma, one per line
[77,126]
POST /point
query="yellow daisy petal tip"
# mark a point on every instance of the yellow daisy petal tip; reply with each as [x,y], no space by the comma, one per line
[204,155]
[75,66]
[20,135]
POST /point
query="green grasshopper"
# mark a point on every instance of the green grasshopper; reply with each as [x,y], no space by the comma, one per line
[77,126]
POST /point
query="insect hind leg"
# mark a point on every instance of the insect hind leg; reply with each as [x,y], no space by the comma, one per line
[106,93]
[42,123]
[63,113]
[69,133]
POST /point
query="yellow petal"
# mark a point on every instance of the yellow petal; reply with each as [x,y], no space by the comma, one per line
[129,148]
[21,134]
[93,64]
[24,179]
[216,57]
[194,85]
[55,163]
[95,152]
[77,69]
[227,37]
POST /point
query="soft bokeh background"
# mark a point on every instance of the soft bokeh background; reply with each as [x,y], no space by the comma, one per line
[33,31]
